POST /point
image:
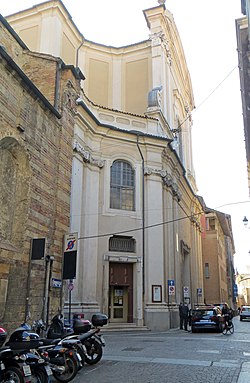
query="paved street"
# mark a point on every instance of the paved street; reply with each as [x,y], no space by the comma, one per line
[173,356]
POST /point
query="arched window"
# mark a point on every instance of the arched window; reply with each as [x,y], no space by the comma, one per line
[122,186]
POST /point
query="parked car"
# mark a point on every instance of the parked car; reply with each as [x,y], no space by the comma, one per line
[207,318]
[245,312]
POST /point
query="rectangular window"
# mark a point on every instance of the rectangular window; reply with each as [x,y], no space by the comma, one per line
[211,223]
[206,271]
[207,223]
[122,244]
[122,186]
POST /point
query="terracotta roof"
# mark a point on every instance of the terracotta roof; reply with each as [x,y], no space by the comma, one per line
[117,110]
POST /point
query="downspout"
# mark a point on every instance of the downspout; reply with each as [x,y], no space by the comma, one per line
[143,218]
[58,70]
[77,51]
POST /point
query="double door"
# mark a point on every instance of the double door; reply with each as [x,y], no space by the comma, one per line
[118,304]
[121,292]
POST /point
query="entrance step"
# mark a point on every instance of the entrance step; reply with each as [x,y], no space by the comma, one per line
[124,327]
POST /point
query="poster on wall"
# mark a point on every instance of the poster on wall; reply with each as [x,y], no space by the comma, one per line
[156,293]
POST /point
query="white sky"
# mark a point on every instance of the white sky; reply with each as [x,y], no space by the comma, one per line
[207,31]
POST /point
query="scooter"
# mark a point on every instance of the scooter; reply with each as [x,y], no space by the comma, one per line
[45,357]
[87,332]
[89,335]
[13,366]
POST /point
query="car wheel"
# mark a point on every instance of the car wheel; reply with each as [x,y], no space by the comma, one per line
[241,319]
[193,329]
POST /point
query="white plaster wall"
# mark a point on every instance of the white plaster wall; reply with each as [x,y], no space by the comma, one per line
[51,26]
[76,221]
[154,260]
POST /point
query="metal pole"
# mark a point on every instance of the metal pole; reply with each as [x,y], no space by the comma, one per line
[49,260]
[27,303]
[46,290]
[143,218]
[70,287]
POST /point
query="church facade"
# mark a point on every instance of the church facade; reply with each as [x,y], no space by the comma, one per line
[133,201]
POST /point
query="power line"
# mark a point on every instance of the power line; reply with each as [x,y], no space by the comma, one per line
[140,228]
[214,90]
[206,98]
[232,203]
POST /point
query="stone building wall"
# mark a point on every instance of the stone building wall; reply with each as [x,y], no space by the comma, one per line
[35,174]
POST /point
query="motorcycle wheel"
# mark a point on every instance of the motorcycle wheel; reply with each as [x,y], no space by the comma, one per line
[81,352]
[39,376]
[71,369]
[13,375]
[94,351]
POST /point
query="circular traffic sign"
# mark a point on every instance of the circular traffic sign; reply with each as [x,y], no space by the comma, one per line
[70,286]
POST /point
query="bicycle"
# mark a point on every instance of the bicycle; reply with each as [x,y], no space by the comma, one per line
[229,328]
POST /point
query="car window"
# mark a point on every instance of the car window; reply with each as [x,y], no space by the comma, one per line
[246,309]
[204,313]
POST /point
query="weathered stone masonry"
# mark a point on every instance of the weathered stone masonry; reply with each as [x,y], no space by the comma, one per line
[36,132]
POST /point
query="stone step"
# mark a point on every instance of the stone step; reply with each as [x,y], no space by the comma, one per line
[124,327]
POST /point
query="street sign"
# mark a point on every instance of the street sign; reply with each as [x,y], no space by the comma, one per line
[171,290]
[170,282]
[69,256]
[199,291]
[71,286]
[186,291]
[70,242]
[57,283]
[235,290]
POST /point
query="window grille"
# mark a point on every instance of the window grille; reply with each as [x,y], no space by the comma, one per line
[122,186]
[122,244]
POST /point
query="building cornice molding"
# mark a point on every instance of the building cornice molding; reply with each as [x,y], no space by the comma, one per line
[86,156]
[167,180]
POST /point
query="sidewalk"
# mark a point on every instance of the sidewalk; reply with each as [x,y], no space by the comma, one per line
[244,376]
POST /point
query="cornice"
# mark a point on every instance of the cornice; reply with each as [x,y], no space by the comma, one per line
[86,156]
[167,180]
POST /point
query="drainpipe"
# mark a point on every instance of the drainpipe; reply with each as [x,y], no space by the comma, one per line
[77,51]
[57,84]
[143,217]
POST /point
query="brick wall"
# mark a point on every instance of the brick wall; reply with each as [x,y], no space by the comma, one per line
[35,175]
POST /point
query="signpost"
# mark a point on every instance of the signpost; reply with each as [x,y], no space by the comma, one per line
[186,291]
[199,294]
[171,288]
[70,288]
[69,263]
[69,259]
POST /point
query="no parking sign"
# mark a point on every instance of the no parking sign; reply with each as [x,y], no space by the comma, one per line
[171,287]
[186,291]
[69,257]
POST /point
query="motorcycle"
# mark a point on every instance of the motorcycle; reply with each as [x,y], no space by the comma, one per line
[89,335]
[87,332]
[62,360]
[13,366]
[45,358]
[59,340]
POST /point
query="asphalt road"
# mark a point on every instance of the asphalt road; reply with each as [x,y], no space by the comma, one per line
[173,356]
